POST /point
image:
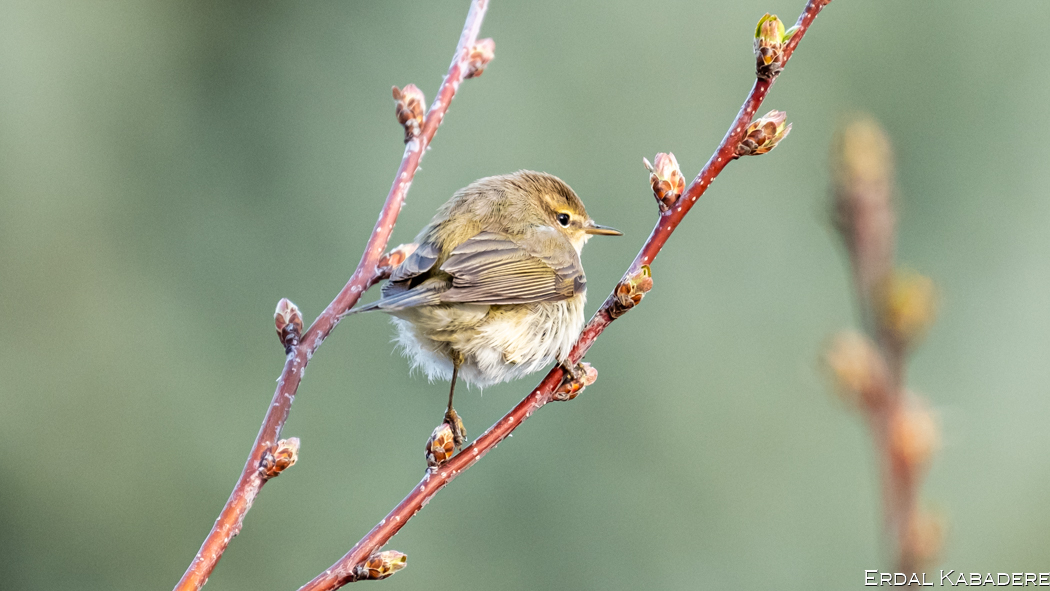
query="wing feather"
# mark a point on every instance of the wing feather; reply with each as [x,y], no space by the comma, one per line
[493,269]
[417,263]
[488,268]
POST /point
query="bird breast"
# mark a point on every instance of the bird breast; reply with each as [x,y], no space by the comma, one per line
[498,343]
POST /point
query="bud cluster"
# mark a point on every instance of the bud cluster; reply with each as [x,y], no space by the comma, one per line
[408,106]
[441,446]
[764,134]
[770,39]
[280,457]
[858,369]
[289,324]
[666,179]
[630,291]
[380,566]
[913,435]
[908,306]
[479,57]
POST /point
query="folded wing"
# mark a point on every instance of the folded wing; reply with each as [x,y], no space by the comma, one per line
[488,268]
[492,269]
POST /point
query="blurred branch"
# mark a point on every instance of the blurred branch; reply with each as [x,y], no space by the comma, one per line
[629,291]
[467,62]
[896,309]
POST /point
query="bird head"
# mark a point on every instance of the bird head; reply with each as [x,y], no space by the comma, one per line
[556,205]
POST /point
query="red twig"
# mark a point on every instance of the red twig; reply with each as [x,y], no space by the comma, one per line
[343,571]
[251,480]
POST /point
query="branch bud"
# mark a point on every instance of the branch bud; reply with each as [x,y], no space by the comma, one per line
[764,134]
[573,383]
[479,57]
[280,457]
[859,371]
[380,566]
[908,306]
[391,260]
[630,291]
[666,179]
[441,446]
[913,435]
[409,109]
[289,324]
[770,39]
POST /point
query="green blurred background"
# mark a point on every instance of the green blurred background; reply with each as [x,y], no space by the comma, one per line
[169,170]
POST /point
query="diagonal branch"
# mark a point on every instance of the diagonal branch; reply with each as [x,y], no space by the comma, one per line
[464,65]
[346,570]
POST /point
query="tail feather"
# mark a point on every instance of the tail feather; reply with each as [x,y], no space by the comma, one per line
[400,301]
[376,305]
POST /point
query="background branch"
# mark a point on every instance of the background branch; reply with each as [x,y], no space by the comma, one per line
[464,64]
[896,309]
[626,294]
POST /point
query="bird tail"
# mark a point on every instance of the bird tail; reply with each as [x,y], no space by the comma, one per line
[401,300]
[376,305]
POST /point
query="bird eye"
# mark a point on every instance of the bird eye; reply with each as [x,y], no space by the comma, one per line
[563,219]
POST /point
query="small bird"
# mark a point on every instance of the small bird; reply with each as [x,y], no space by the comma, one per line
[495,290]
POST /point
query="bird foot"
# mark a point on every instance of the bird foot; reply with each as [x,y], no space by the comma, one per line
[459,432]
[576,378]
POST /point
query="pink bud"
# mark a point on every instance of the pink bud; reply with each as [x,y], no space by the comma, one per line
[666,179]
[289,323]
[409,109]
[479,57]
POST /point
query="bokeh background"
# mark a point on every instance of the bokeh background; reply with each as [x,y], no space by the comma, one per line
[169,170]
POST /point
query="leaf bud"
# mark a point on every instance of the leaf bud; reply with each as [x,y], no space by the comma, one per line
[479,57]
[666,179]
[380,566]
[764,134]
[289,324]
[408,106]
[280,457]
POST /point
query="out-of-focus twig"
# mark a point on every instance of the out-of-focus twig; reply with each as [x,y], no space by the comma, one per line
[896,309]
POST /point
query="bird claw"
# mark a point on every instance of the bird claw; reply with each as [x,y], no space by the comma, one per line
[459,432]
[576,378]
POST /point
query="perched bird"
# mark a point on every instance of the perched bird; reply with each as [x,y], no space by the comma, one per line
[495,290]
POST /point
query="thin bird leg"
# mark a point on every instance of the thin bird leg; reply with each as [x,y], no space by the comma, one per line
[459,432]
[452,388]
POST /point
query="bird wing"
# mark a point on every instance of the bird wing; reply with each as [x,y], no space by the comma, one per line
[410,284]
[490,268]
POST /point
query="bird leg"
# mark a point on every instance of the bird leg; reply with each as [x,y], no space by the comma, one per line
[573,373]
[459,432]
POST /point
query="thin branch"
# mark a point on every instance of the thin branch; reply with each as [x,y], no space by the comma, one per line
[464,65]
[345,570]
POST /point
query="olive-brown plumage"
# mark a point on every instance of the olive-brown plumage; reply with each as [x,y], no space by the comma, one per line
[495,290]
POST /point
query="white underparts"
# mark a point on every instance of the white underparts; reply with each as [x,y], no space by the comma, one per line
[498,343]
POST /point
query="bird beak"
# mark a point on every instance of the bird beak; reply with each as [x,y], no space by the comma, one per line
[592,228]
